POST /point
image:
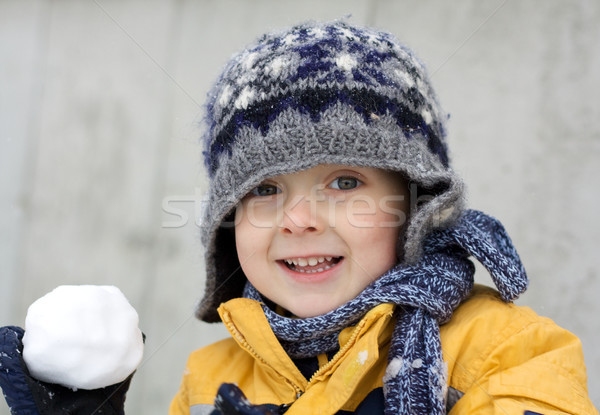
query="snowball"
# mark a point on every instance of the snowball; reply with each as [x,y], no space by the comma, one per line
[82,337]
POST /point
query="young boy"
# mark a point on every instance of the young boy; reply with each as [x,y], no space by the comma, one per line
[337,248]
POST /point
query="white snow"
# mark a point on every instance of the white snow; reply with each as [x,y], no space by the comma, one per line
[346,62]
[427,117]
[362,356]
[276,65]
[82,337]
[393,368]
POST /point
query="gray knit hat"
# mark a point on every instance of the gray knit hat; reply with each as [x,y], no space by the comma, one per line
[320,93]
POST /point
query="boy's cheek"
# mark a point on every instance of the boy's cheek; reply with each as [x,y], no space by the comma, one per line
[366,213]
[361,212]
[395,212]
[257,213]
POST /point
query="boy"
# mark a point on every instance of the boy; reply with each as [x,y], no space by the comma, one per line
[337,248]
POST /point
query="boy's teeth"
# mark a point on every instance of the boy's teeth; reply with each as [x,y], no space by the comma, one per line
[299,263]
[312,261]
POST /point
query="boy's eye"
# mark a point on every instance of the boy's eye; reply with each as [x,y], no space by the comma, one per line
[345,183]
[265,190]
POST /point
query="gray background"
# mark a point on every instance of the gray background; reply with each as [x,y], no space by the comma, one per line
[99,106]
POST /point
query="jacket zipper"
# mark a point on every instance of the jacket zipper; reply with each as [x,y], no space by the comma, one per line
[340,353]
[299,391]
[242,340]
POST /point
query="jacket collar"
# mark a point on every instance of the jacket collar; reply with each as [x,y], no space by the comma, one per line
[248,325]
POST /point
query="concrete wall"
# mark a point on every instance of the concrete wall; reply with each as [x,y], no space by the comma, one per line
[99,102]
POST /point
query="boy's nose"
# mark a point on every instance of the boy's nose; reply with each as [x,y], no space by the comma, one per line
[301,215]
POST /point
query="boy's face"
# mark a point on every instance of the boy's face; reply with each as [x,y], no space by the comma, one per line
[313,240]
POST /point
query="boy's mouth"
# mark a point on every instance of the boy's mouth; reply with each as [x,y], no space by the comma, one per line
[311,265]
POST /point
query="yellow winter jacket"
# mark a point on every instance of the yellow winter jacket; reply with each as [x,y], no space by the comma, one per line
[502,359]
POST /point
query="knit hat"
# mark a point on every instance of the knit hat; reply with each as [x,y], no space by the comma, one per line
[321,93]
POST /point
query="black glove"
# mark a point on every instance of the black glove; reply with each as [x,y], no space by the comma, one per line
[28,396]
[231,400]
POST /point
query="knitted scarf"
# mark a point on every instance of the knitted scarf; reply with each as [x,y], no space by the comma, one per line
[427,293]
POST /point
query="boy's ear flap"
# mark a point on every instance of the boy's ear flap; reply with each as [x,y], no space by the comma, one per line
[232,281]
[421,195]
[400,243]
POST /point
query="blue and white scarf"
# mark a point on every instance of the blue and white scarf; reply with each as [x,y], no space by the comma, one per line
[427,293]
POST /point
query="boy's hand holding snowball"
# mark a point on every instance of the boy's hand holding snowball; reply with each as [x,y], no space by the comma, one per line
[77,354]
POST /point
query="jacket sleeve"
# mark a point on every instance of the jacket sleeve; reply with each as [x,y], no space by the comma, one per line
[180,403]
[525,365]
[12,374]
